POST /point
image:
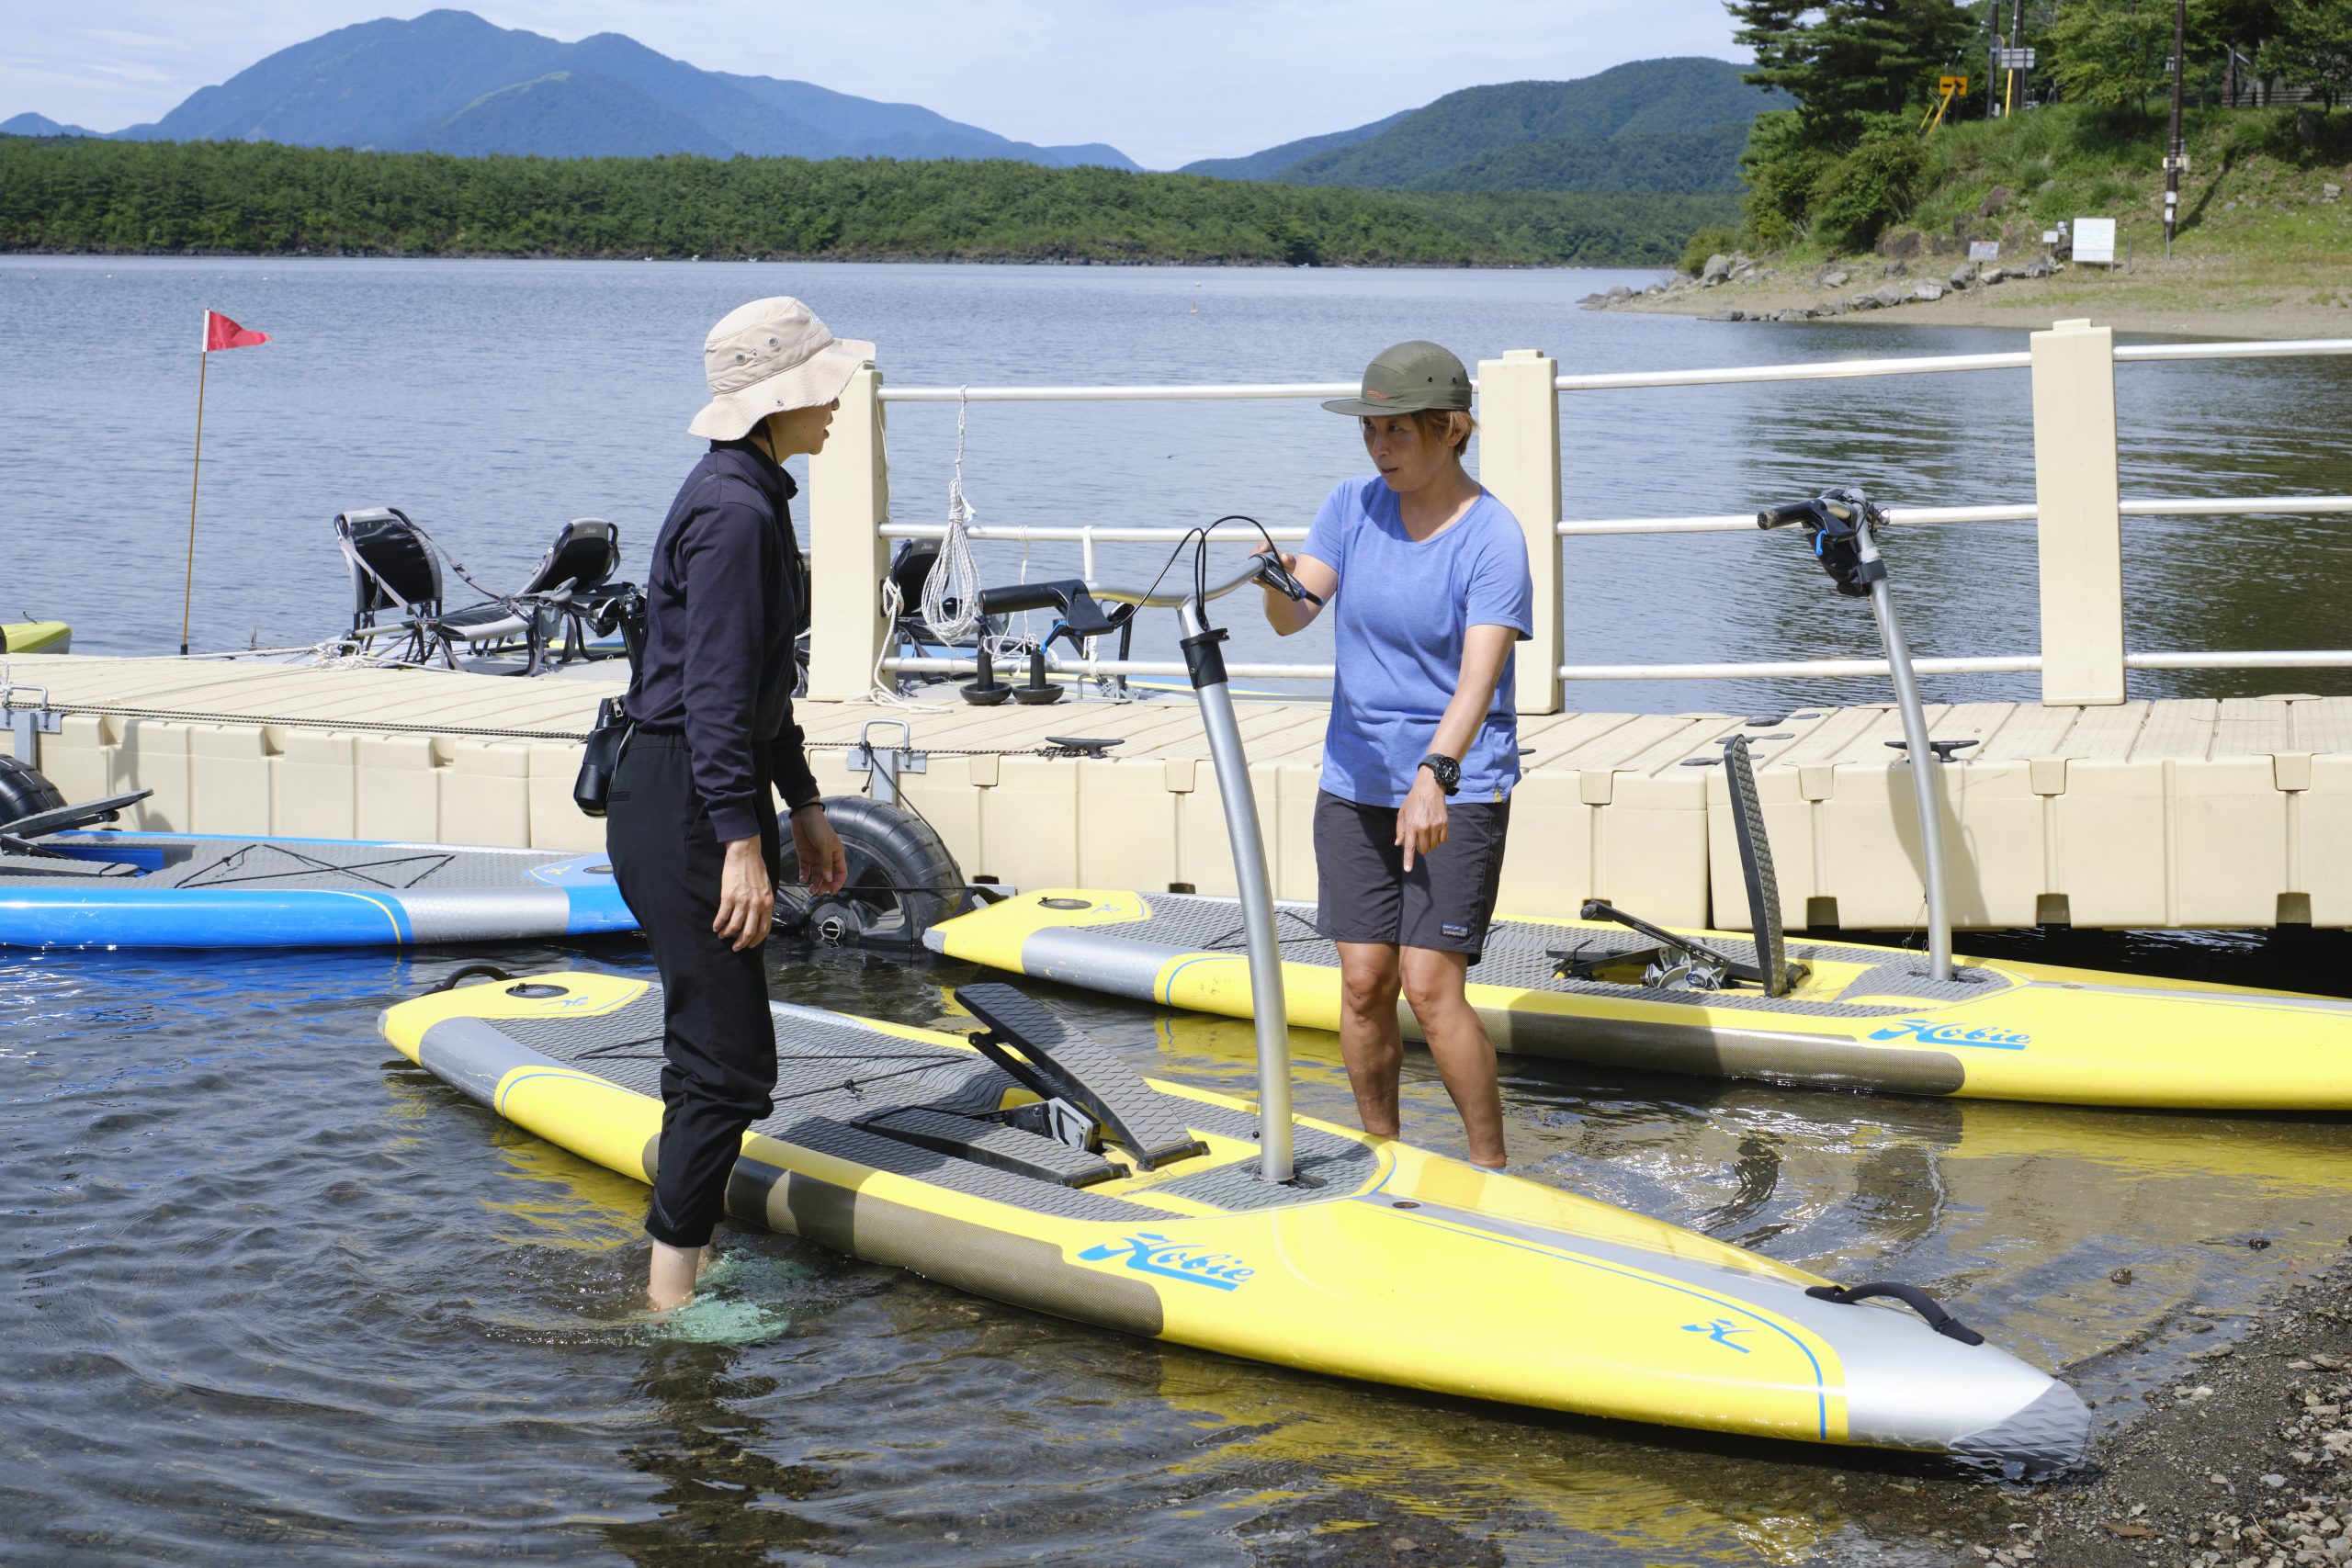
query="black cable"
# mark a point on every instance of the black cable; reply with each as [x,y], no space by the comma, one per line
[1200,557]
[1190,533]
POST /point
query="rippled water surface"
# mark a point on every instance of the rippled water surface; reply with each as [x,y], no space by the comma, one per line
[273,1294]
[276,1293]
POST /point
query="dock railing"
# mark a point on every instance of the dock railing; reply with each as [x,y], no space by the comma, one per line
[2077,511]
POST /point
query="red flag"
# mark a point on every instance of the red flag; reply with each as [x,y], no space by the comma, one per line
[220,332]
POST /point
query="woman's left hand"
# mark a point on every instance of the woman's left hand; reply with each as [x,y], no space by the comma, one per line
[824,865]
[1421,821]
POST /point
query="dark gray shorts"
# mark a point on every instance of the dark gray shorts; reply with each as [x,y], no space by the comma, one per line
[1364,894]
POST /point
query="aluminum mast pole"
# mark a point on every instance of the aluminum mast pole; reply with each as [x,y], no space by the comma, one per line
[1926,774]
[1206,663]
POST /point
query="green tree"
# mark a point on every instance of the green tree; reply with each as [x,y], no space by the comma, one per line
[1780,166]
[1869,188]
[2113,52]
[1849,61]
[2313,47]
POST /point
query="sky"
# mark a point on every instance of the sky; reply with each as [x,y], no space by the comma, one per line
[1164,81]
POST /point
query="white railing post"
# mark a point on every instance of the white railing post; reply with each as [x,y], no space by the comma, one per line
[2081,531]
[849,500]
[1518,460]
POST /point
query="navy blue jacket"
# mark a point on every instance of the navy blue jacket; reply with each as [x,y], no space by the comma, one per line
[722,604]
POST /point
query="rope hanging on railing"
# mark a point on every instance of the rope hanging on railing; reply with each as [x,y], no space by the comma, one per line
[951,590]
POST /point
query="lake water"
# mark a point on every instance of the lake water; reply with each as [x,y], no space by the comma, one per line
[492,401]
[275,1296]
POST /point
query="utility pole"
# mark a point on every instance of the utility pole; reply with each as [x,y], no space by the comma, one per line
[2017,40]
[2173,159]
[1992,59]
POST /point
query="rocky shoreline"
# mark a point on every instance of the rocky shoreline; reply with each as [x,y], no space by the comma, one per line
[2216,285]
[2244,1463]
[1898,286]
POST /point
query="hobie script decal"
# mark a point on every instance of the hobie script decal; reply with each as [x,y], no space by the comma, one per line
[1930,1033]
[1148,1254]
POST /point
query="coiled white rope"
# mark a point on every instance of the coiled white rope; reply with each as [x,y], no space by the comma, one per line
[951,591]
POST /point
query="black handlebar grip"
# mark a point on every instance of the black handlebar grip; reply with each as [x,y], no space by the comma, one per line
[1020,596]
[1781,516]
[1278,577]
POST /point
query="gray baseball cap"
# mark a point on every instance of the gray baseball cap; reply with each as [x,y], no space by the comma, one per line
[1409,378]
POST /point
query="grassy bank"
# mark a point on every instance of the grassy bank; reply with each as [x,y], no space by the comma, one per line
[59,195]
[2262,249]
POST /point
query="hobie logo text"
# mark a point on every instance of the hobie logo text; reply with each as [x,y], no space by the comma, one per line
[1928,1031]
[1148,1254]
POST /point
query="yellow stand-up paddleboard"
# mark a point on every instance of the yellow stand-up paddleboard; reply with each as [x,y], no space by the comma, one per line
[1032,1166]
[1857,1017]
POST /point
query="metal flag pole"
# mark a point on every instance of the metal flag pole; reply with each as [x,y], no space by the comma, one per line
[187,589]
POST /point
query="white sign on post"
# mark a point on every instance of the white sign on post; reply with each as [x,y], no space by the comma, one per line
[1984,250]
[2095,240]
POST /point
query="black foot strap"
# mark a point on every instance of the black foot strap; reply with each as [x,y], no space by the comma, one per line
[1912,1296]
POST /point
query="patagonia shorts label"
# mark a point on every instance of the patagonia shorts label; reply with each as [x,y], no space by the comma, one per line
[1458,933]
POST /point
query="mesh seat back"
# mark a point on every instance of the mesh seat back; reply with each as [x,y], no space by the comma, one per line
[388,552]
[587,552]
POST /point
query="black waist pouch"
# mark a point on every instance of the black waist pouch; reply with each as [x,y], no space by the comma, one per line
[601,757]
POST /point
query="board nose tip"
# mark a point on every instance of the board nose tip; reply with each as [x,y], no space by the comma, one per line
[2049,1435]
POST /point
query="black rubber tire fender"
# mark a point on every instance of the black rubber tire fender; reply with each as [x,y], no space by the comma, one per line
[24,792]
[896,860]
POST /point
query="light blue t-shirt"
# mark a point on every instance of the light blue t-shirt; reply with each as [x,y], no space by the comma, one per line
[1401,612]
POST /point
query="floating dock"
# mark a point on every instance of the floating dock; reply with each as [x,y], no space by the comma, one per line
[2190,813]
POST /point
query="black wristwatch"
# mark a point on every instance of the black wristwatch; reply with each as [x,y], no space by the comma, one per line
[1447,770]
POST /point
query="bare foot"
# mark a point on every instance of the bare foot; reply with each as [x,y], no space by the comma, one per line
[669,1280]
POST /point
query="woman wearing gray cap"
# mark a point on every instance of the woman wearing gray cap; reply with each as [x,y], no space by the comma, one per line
[1426,576]
[692,826]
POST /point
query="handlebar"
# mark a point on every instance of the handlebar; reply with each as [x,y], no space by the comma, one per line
[1063,594]
[1781,516]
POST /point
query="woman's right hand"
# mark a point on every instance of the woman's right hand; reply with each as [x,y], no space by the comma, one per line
[746,896]
[1284,614]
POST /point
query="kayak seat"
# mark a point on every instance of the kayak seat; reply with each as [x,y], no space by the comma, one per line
[577,568]
[996,1145]
[397,589]
[1059,1063]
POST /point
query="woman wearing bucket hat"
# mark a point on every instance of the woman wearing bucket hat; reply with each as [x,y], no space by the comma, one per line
[1426,579]
[692,825]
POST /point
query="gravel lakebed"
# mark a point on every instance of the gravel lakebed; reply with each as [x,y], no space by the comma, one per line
[2244,1461]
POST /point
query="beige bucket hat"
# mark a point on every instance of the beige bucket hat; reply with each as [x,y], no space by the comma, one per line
[769,356]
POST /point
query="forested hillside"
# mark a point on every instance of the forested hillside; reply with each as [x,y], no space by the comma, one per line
[264,198]
[1674,125]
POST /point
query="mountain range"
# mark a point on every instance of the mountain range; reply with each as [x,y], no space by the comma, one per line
[449,82]
[1673,125]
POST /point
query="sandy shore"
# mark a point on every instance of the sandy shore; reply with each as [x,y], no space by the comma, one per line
[2190,298]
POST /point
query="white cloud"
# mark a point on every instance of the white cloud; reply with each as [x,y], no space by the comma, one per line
[1165,81]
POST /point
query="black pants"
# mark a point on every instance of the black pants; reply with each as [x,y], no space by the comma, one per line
[719,1037]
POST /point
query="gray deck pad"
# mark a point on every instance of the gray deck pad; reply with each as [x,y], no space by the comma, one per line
[832,1073]
[1520,954]
[280,863]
